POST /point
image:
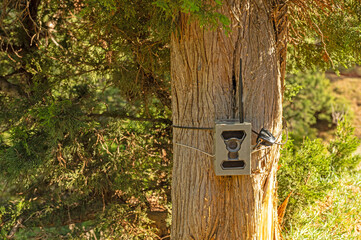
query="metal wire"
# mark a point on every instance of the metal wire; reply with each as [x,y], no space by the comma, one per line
[199,150]
[189,127]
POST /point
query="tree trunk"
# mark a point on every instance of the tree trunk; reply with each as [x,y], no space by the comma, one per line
[203,64]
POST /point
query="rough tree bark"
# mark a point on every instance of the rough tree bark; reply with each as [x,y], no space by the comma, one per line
[203,63]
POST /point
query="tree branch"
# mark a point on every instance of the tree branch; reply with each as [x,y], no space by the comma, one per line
[15,228]
[122,116]
[10,48]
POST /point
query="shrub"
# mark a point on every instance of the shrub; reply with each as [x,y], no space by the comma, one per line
[309,104]
[309,169]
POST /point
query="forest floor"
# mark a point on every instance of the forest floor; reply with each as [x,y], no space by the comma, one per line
[336,216]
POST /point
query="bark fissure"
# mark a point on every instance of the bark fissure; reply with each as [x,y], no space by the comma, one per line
[234,74]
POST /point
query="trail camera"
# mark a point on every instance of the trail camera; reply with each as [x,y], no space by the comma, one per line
[232,148]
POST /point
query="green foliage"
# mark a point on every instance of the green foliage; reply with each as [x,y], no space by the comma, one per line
[309,170]
[305,172]
[95,169]
[9,216]
[88,130]
[123,222]
[292,88]
[205,13]
[309,101]
[342,147]
[333,217]
[324,35]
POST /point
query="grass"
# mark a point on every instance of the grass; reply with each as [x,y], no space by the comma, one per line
[337,216]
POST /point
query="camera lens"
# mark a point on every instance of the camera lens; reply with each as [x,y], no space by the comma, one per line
[232,144]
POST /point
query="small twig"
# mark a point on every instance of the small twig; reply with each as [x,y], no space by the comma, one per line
[323,42]
[308,178]
[15,228]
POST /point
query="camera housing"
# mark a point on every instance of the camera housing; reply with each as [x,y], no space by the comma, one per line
[232,148]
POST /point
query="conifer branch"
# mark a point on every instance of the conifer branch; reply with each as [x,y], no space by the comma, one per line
[133,118]
[15,228]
